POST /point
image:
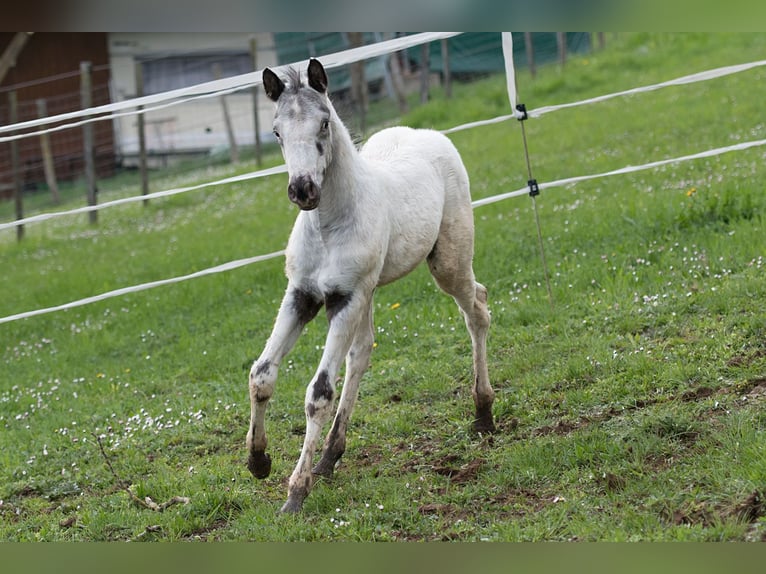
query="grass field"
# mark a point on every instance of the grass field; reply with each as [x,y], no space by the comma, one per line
[632,408]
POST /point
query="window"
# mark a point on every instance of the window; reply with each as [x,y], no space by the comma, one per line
[171,73]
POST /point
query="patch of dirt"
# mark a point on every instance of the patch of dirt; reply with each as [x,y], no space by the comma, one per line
[745,359]
[560,428]
[461,475]
[697,394]
[612,482]
[522,500]
[204,534]
[754,388]
[690,517]
[368,456]
[748,511]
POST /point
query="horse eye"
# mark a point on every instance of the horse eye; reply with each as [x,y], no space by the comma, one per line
[325,125]
[276,134]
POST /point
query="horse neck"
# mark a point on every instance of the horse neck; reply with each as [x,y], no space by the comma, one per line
[342,176]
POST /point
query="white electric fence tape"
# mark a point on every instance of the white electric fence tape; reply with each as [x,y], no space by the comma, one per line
[342,58]
[135,288]
[217,87]
[135,198]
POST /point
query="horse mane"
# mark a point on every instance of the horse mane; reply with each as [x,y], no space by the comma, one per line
[293,77]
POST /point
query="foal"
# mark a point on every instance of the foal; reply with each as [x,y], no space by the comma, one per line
[367,218]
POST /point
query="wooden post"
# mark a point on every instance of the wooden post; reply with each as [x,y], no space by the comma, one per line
[425,66]
[396,78]
[86,101]
[13,117]
[11,53]
[141,124]
[257,121]
[601,40]
[358,83]
[445,69]
[45,148]
[561,41]
[529,48]
[233,150]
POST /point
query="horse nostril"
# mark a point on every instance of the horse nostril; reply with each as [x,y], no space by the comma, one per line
[304,192]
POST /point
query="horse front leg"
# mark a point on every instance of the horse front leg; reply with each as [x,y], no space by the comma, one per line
[298,308]
[357,362]
[345,312]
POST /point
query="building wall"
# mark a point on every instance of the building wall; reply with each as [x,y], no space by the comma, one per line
[196,127]
[48,68]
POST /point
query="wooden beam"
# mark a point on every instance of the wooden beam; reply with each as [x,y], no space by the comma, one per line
[12,51]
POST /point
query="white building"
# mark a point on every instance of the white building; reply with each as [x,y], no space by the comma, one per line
[170,61]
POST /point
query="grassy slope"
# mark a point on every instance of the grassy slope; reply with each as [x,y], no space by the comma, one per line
[632,410]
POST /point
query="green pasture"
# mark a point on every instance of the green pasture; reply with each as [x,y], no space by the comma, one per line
[630,407]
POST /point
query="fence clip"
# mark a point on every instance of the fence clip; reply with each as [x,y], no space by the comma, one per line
[534,189]
[523,110]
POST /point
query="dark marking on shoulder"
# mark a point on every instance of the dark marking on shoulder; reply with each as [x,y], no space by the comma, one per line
[322,387]
[305,306]
[335,301]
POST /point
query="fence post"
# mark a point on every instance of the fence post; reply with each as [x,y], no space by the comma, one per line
[45,148]
[358,82]
[561,41]
[529,48]
[396,78]
[86,101]
[141,125]
[233,150]
[257,124]
[425,66]
[13,117]
[445,69]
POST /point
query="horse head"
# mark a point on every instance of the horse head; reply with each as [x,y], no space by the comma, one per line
[303,124]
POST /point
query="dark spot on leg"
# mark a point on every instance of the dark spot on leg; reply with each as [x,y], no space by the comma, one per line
[259,463]
[262,367]
[333,451]
[483,422]
[305,306]
[311,410]
[322,387]
[335,301]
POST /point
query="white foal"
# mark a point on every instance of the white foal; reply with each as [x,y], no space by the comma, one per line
[367,218]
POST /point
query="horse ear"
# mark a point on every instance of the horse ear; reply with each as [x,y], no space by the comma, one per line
[272,84]
[317,76]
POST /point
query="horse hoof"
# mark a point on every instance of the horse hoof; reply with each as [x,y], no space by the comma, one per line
[259,464]
[294,503]
[484,426]
[324,468]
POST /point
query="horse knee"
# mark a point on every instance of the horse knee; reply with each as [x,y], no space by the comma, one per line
[481,293]
[319,397]
[262,379]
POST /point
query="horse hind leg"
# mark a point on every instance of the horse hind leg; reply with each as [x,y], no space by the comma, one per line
[451,267]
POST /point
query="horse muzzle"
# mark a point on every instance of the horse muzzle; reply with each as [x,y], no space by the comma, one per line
[303,192]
